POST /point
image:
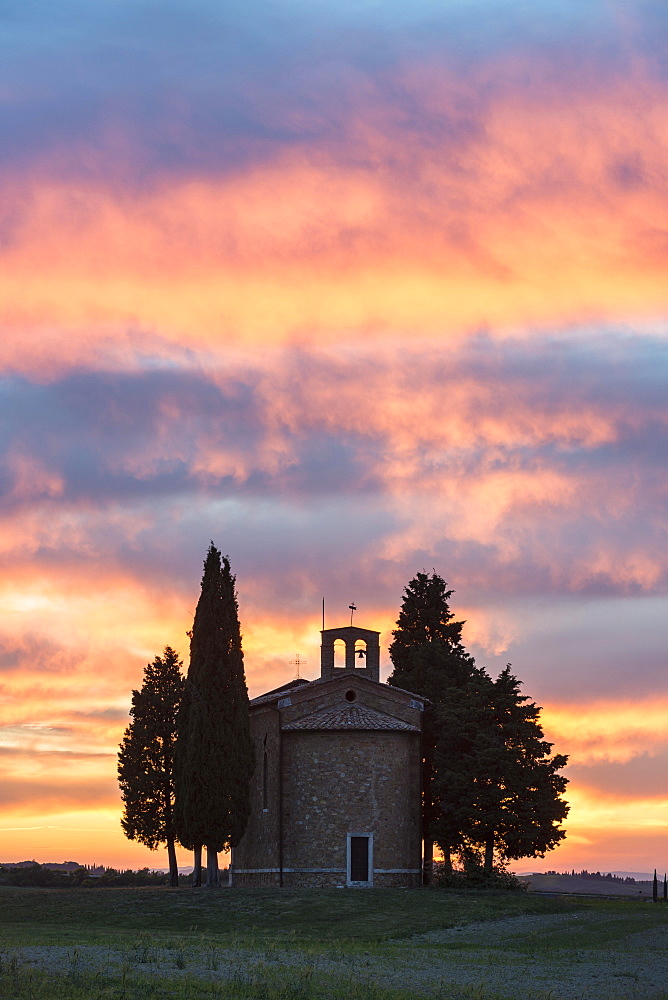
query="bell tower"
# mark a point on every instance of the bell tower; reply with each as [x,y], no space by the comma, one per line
[362,652]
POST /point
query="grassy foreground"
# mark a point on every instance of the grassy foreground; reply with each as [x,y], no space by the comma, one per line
[131,944]
[247,916]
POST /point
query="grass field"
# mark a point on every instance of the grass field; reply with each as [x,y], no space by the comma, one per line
[131,944]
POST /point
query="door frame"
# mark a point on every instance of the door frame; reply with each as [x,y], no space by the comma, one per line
[369,837]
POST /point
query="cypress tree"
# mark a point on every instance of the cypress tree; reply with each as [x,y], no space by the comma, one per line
[429,659]
[146,758]
[425,620]
[214,754]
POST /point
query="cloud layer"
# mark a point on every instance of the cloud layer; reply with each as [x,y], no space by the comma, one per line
[354,291]
[321,175]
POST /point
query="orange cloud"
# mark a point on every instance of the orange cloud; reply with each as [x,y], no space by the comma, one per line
[608,730]
[592,810]
[545,213]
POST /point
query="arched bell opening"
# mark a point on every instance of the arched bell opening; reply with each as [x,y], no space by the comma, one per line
[360,654]
[339,654]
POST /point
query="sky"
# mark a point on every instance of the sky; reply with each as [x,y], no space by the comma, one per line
[354,290]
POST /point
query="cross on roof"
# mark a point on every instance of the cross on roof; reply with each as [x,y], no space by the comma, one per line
[297,662]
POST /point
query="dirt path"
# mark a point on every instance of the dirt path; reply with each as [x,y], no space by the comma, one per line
[522,957]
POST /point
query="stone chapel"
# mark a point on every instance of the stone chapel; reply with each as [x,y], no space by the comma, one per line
[336,794]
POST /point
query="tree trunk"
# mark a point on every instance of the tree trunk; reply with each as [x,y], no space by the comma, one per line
[428,862]
[447,861]
[212,874]
[197,865]
[173,867]
[427,811]
[489,853]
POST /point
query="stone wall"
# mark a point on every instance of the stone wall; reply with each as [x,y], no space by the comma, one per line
[259,847]
[337,783]
[321,880]
[242,880]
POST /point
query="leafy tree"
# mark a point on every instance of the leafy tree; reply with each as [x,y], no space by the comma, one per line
[494,779]
[489,782]
[146,757]
[457,721]
[517,803]
[429,659]
[214,754]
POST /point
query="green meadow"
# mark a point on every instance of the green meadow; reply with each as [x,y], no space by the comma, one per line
[122,944]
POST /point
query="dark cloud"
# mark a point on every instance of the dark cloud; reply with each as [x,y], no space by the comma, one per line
[131,89]
[100,714]
[90,420]
[133,434]
[20,651]
[315,461]
[579,648]
[638,778]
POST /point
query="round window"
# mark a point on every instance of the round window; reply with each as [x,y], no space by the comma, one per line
[351,695]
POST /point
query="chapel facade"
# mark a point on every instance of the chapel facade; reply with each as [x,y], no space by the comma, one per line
[336,794]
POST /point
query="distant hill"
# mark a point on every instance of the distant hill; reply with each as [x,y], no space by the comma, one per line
[54,866]
[638,876]
[553,882]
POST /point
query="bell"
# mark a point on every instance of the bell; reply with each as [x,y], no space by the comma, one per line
[361,653]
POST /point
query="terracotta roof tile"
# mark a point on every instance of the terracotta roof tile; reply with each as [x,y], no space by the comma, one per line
[351,717]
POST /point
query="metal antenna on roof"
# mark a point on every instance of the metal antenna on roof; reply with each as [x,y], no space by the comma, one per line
[353,609]
[297,662]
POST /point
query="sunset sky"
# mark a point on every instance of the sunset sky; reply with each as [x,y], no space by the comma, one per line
[355,290]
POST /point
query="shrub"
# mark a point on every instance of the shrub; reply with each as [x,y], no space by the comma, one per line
[46,878]
[472,875]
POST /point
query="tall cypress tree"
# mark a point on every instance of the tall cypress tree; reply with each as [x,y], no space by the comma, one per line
[429,659]
[146,757]
[214,754]
[425,617]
